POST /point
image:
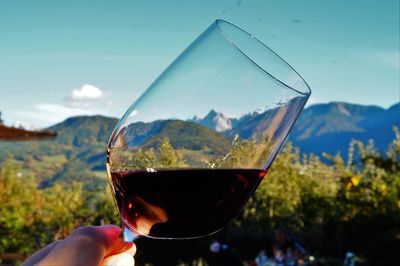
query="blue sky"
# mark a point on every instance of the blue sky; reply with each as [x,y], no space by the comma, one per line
[49,50]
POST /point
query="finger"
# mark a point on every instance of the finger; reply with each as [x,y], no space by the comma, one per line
[121,259]
[87,246]
[39,255]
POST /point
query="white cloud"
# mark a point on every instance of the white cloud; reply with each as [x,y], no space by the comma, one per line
[85,97]
[87,100]
[86,92]
[60,109]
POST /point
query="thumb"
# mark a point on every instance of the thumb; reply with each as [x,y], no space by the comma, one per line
[121,259]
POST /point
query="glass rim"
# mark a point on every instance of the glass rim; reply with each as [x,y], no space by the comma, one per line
[219,22]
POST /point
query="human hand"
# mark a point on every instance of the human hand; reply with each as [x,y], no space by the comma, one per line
[86,246]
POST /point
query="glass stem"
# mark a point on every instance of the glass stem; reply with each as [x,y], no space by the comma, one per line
[128,236]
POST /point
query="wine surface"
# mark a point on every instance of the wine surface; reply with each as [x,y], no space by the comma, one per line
[182,203]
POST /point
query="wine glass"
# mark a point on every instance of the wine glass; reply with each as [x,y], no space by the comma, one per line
[190,151]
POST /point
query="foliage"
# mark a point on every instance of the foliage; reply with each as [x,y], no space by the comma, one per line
[19,203]
[332,207]
[30,217]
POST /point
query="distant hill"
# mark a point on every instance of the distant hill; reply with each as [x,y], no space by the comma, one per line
[188,135]
[77,153]
[81,131]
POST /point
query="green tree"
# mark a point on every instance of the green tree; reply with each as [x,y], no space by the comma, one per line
[19,201]
[166,156]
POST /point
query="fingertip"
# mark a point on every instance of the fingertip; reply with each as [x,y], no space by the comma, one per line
[110,229]
[112,232]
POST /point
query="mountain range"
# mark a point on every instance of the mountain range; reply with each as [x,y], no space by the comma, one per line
[78,151]
[322,127]
[330,127]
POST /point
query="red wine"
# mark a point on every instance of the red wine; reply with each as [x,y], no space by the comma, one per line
[182,203]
